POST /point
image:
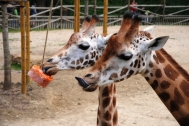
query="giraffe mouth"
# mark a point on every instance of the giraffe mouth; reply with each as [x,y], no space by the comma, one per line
[50,70]
[86,87]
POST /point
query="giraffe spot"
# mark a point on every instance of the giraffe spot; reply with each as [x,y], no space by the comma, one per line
[151,74]
[92,56]
[77,62]
[170,72]
[97,121]
[114,101]
[96,57]
[107,115]
[73,62]
[91,62]
[158,73]
[94,53]
[104,124]
[85,63]
[165,84]
[139,64]
[130,73]
[184,86]
[106,102]
[160,57]
[151,64]
[98,111]
[156,59]
[142,59]
[114,89]
[174,106]
[147,78]
[87,56]
[143,64]
[184,121]
[81,60]
[123,71]
[164,96]
[136,62]
[105,92]
[115,118]
[78,67]
[113,76]
[154,85]
[131,65]
[178,97]
[147,71]
[66,63]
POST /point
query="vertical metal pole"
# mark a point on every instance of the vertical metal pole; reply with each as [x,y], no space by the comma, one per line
[60,14]
[23,46]
[27,40]
[105,18]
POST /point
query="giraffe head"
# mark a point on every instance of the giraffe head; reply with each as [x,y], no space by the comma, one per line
[82,49]
[127,53]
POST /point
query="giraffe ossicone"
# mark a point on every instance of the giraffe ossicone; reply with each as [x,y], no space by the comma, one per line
[133,52]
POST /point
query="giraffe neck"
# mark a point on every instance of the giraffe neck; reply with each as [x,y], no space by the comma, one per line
[172,86]
[107,110]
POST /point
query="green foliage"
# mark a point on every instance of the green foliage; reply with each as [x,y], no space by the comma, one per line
[15,66]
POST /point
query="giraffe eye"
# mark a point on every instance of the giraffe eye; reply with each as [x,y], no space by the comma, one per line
[84,46]
[126,56]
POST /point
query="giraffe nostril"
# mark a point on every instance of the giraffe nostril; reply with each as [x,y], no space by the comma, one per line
[88,75]
[49,60]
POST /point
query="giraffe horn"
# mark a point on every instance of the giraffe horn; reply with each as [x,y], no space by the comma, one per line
[134,28]
[125,26]
[90,30]
[85,23]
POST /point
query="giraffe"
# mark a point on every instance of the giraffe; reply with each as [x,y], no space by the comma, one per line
[132,52]
[82,51]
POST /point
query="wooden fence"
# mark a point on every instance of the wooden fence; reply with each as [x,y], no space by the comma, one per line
[39,21]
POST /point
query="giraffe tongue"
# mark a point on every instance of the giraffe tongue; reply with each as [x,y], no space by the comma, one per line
[82,83]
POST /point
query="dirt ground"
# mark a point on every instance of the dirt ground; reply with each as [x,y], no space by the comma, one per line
[63,103]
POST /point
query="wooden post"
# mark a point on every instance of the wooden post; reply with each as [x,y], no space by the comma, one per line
[105,17]
[7,61]
[27,26]
[86,7]
[94,6]
[76,16]
[164,2]
[61,14]
[129,3]
[23,47]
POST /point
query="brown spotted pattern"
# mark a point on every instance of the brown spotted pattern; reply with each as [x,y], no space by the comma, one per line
[170,72]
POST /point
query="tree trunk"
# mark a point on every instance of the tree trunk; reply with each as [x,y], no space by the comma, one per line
[7,62]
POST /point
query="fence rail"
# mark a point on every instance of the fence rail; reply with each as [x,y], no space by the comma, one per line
[39,22]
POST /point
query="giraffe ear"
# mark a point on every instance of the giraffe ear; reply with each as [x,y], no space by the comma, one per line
[102,41]
[149,29]
[108,37]
[157,43]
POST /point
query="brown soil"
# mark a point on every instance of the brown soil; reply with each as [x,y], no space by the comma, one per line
[63,103]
